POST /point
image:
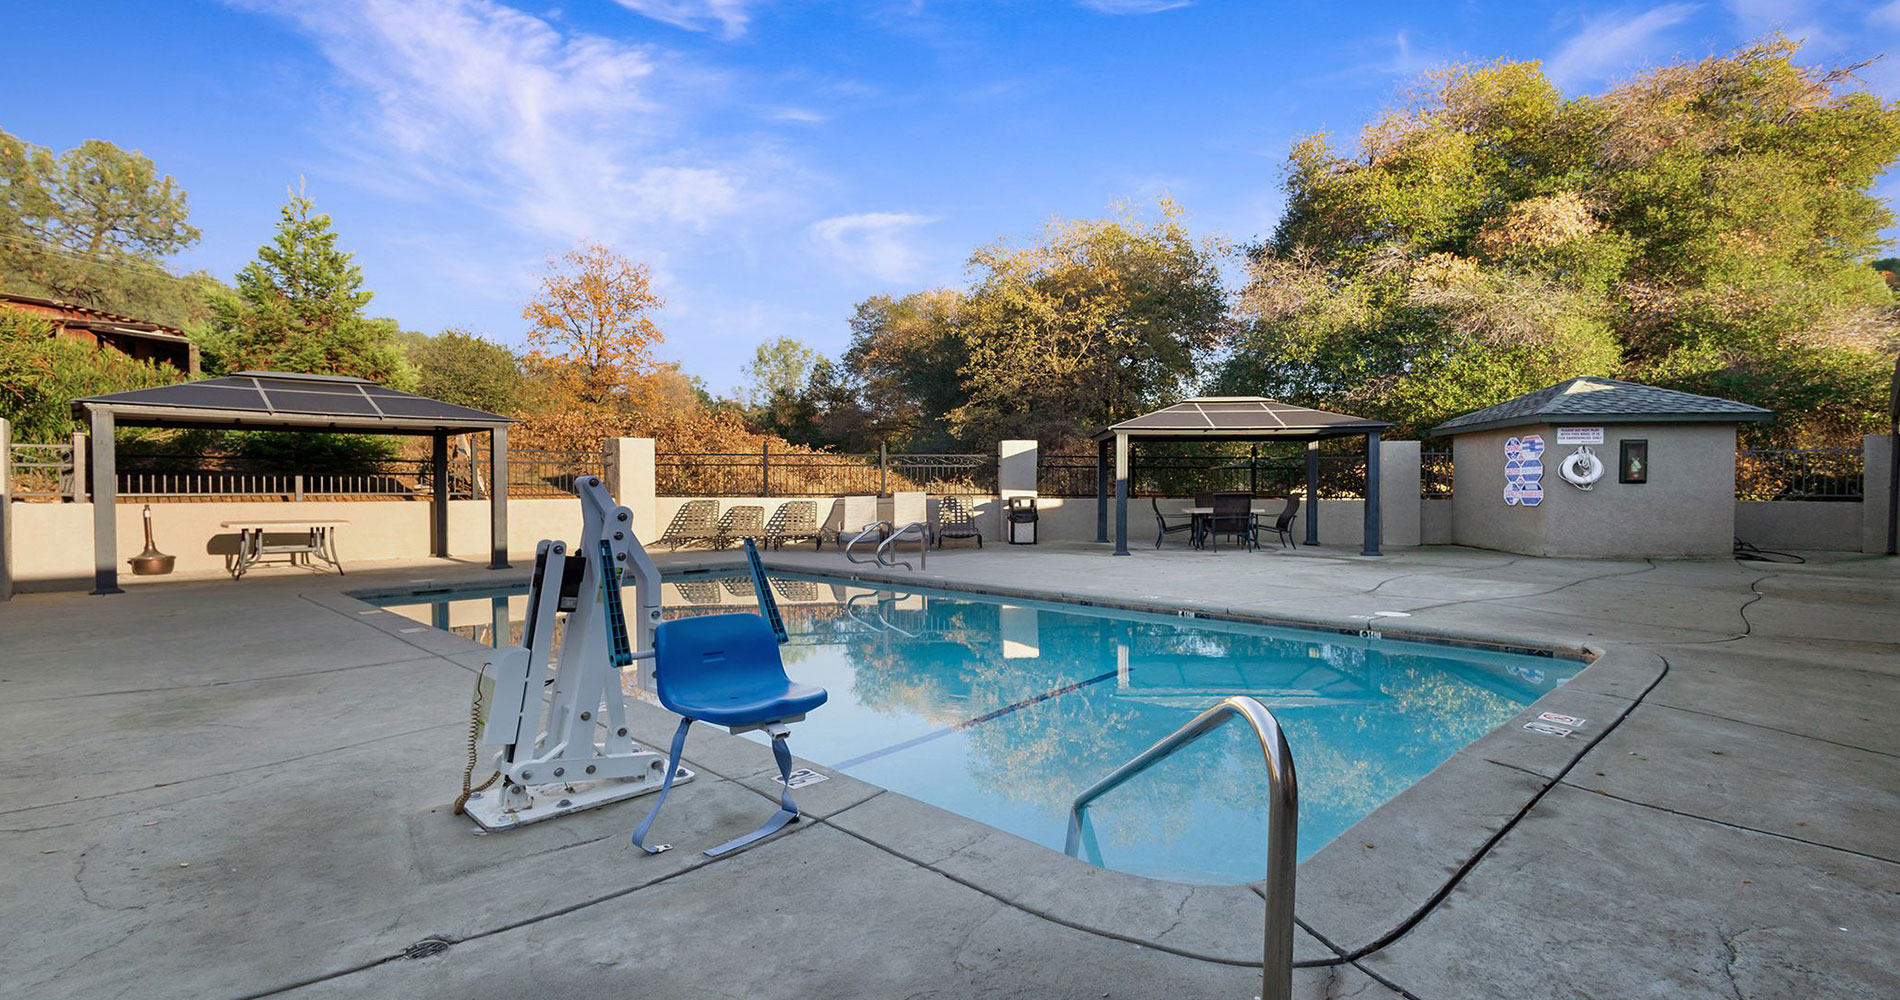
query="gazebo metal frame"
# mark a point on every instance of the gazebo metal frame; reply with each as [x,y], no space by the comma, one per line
[288,401]
[1235,418]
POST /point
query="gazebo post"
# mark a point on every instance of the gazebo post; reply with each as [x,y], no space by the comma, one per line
[498,499]
[104,474]
[439,516]
[1101,490]
[1372,494]
[1312,492]
[1121,493]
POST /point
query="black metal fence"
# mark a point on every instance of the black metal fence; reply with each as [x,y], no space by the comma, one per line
[1180,474]
[767,473]
[1800,474]
[1434,475]
[532,472]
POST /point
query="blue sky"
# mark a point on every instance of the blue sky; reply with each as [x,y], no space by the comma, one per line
[776,162]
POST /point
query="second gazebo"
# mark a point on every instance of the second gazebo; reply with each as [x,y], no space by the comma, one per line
[1234,418]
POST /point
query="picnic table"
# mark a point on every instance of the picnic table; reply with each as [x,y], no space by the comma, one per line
[319,540]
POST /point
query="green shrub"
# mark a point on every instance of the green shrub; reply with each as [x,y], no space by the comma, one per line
[41,374]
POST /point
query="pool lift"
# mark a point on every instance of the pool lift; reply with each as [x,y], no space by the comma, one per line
[574,752]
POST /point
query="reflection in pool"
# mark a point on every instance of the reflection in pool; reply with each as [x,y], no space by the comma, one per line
[1004,710]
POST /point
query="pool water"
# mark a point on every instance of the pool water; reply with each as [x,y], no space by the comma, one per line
[1004,710]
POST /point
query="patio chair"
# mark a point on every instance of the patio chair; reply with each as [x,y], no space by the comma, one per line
[1202,498]
[1162,527]
[954,520]
[859,513]
[794,521]
[1283,524]
[697,521]
[742,521]
[1233,515]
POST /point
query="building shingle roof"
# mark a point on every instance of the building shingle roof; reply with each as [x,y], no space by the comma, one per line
[1591,399]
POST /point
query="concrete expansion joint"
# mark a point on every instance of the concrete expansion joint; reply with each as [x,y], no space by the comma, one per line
[1733,826]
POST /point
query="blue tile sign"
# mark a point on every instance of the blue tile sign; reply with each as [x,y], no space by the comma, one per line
[1524,470]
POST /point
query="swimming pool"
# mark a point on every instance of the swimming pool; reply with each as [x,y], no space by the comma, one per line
[1003,710]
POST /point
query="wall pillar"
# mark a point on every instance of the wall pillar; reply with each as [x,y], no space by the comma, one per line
[1016,469]
[1399,496]
[498,498]
[633,479]
[1877,461]
[439,506]
[1372,491]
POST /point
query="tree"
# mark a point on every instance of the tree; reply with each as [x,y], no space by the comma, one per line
[901,375]
[461,368]
[590,329]
[93,225]
[779,368]
[1095,322]
[299,308]
[1706,226]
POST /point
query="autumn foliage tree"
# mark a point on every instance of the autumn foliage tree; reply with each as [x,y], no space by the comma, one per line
[591,338]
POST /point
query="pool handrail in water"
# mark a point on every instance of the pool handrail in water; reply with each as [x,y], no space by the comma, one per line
[1283,823]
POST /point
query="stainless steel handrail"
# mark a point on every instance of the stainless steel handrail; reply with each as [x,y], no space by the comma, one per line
[1283,823]
[863,533]
[923,545]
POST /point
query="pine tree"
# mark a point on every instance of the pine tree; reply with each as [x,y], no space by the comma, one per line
[299,308]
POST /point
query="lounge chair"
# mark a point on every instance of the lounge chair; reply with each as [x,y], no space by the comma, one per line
[742,521]
[1162,528]
[1283,524]
[860,512]
[910,508]
[697,521]
[794,521]
[954,520]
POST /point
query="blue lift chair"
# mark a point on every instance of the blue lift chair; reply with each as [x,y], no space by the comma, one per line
[725,670]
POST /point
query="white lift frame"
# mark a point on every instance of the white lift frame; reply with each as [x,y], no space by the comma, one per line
[574,751]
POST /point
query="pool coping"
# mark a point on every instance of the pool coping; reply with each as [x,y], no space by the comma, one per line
[1357,893]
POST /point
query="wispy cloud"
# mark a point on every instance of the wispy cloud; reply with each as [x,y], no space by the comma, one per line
[564,134]
[1887,15]
[804,116]
[729,16]
[1613,43]
[1133,6]
[880,244]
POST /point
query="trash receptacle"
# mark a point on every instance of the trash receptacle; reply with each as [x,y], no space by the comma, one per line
[1020,515]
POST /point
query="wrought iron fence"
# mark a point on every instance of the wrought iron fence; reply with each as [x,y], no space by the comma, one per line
[43,470]
[1341,477]
[1799,474]
[1434,475]
[532,472]
[767,473]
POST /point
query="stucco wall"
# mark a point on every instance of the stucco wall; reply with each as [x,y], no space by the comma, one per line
[1878,450]
[53,550]
[1686,509]
[1434,522]
[1799,525]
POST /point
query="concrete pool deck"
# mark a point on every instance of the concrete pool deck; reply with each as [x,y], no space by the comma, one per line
[237,790]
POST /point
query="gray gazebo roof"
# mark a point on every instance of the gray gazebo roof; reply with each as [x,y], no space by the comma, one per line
[288,401]
[1605,401]
[1239,417]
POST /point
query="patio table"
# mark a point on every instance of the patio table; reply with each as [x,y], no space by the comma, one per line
[1201,514]
[319,540]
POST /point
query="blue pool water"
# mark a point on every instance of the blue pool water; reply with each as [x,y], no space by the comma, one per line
[1004,710]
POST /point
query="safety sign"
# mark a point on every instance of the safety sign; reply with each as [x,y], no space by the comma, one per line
[1524,470]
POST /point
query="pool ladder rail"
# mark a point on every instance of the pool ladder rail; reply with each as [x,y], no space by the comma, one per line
[1283,823]
[888,538]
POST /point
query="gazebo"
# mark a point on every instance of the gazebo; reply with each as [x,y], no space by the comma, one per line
[1235,418]
[285,401]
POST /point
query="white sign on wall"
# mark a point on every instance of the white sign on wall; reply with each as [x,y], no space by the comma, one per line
[1524,470]
[1579,435]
